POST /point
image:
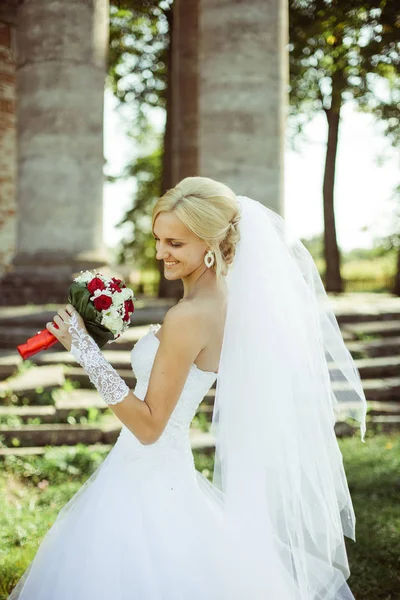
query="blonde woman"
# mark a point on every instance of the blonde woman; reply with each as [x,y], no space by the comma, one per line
[254,320]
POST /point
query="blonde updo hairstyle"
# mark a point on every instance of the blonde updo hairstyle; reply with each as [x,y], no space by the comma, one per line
[211,211]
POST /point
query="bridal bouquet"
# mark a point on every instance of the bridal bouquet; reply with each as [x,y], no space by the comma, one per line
[105,304]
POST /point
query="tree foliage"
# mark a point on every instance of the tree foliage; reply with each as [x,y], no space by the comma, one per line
[138,77]
[355,43]
[138,247]
[342,50]
[139,41]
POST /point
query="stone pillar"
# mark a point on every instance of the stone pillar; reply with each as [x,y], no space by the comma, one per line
[8,159]
[230,94]
[185,89]
[60,89]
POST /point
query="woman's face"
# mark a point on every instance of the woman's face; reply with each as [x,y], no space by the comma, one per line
[176,244]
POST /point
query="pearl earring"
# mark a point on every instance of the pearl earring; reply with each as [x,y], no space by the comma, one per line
[209,258]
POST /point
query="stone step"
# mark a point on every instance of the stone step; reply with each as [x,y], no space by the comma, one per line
[76,402]
[61,434]
[46,413]
[360,307]
[7,371]
[377,329]
[9,361]
[385,424]
[387,346]
[367,317]
[376,408]
[371,368]
[380,390]
[27,383]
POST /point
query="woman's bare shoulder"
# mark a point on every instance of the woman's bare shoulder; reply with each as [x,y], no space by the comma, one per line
[186,310]
[207,311]
[184,322]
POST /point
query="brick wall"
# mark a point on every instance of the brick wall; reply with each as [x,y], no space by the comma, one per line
[7,145]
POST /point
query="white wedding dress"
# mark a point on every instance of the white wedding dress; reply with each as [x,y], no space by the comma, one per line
[147,525]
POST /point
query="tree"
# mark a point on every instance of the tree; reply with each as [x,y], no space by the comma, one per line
[139,63]
[339,49]
[139,247]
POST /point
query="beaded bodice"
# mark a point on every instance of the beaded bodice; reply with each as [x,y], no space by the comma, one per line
[175,437]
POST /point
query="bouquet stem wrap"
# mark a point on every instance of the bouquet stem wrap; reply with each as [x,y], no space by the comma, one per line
[41,341]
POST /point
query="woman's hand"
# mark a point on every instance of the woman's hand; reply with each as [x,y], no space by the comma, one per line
[61,323]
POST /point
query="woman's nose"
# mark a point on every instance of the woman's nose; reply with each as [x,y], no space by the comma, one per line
[161,253]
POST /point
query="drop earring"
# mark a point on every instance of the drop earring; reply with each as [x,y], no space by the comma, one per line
[209,259]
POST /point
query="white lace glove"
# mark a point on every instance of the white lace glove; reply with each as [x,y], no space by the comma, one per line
[111,387]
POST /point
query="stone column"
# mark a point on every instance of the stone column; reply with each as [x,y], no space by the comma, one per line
[230,94]
[8,174]
[61,70]
[185,81]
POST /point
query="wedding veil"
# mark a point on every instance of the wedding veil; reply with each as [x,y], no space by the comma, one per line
[285,376]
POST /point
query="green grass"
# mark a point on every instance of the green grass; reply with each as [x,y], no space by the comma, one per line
[373,472]
[373,274]
[34,489]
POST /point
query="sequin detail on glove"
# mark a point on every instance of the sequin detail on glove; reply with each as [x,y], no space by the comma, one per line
[111,387]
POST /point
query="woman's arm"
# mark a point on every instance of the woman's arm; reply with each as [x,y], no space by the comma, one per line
[182,338]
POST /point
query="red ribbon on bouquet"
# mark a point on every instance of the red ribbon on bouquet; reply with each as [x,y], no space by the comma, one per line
[41,341]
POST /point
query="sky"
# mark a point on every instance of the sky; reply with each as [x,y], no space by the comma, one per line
[367,173]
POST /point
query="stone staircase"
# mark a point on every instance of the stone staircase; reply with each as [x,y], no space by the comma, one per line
[50,401]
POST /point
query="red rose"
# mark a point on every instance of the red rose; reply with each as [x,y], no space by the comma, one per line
[95,284]
[129,305]
[102,302]
[114,287]
[118,282]
[129,308]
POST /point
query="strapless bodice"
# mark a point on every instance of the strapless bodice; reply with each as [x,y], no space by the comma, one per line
[175,437]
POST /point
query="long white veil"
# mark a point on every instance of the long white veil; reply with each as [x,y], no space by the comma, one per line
[284,376]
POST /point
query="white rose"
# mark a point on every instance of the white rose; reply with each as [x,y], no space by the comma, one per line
[84,277]
[112,319]
[113,323]
[120,297]
[126,294]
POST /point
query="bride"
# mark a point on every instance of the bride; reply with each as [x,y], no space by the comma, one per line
[254,319]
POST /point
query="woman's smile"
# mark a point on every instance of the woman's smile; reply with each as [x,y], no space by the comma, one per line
[169,264]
